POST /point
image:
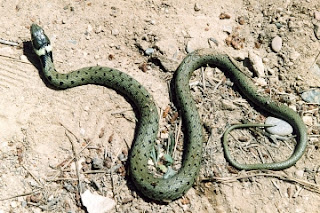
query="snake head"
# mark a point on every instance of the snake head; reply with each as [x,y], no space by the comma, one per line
[40,42]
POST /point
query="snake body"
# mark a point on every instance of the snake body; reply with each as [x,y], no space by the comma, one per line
[147,127]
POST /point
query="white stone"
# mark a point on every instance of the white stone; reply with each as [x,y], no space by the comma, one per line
[307,119]
[257,64]
[96,203]
[261,82]
[299,173]
[115,32]
[23,58]
[276,44]
[281,127]
[196,43]
[317,15]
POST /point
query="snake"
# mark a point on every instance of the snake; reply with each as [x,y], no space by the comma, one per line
[158,188]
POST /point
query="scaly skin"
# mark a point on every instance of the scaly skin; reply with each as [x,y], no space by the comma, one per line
[147,128]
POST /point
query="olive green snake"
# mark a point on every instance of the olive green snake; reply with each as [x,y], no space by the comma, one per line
[147,126]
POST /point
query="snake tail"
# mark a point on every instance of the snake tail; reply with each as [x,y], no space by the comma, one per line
[247,88]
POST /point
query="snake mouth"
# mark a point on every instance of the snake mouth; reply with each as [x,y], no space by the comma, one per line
[40,41]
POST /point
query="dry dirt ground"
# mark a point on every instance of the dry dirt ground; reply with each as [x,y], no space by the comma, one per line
[38,124]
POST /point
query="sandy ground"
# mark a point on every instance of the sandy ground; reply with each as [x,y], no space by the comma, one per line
[38,124]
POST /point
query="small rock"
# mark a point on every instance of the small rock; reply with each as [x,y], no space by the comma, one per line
[271,71]
[167,64]
[281,127]
[96,203]
[224,16]
[307,119]
[164,135]
[82,131]
[317,15]
[169,48]
[98,29]
[265,60]
[23,58]
[311,96]
[122,157]
[276,44]
[316,70]
[195,44]
[299,173]
[149,51]
[261,82]
[89,28]
[242,20]
[227,29]
[196,7]
[115,32]
[240,56]
[14,204]
[97,163]
[152,22]
[227,105]
[257,64]
[294,55]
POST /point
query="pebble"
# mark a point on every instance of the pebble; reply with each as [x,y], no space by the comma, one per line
[164,135]
[311,96]
[308,120]
[115,32]
[276,44]
[23,58]
[261,82]
[89,28]
[82,131]
[299,173]
[98,29]
[149,51]
[97,163]
[196,7]
[14,204]
[271,71]
[122,157]
[316,70]
[169,48]
[227,29]
[195,44]
[257,64]
[294,55]
[281,128]
[317,15]
[227,105]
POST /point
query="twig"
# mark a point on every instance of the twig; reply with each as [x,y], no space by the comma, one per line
[218,84]
[69,130]
[17,60]
[261,156]
[8,42]
[177,136]
[76,157]
[68,163]
[203,78]
[32,175]
[306,185]
[21,195]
